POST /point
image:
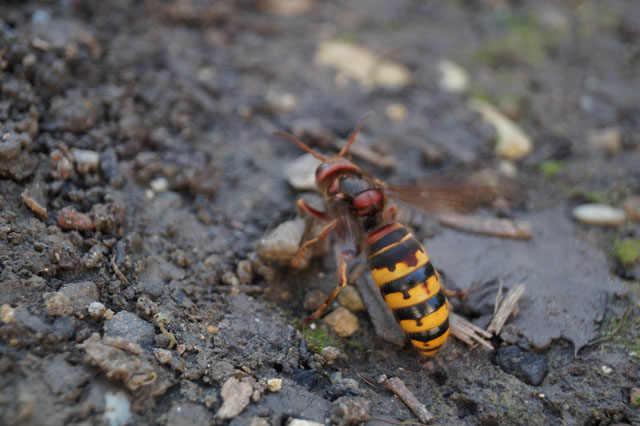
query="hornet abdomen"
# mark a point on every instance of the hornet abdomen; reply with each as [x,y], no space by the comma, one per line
[410,286]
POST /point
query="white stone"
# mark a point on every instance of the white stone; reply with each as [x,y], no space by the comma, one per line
[301,173]
[512,143]
[599,214]
[117,410]
[160,184]
[453,78]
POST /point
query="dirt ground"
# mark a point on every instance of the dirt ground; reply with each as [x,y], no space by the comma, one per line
[138,174]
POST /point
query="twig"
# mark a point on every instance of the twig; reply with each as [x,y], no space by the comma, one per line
[496,303]
[497,227]
[464,330]
[367,381]
[506,308]
[119,274]
[396,386]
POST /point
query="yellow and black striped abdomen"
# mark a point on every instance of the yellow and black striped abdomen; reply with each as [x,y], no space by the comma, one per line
[410,286]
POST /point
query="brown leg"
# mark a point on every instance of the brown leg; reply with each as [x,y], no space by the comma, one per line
[342,284]
[323,234]
[304,207]
[458,294]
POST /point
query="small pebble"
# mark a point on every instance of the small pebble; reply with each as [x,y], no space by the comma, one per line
[453,78]
[302,422]
[97,310]
[283,243]
[274,385]
[599,214]
[130,327]
[512,143]
[528,367]
[7,314]
[343,322]
[301,172]
[93,258]
[360,64]
[606,369]
[229,278]
[244,271]
[57,304]
[350,410]
[332,354]
[81,295]
[607,140]
[86,161]
[396,111]
[236,396]
[162,355]
[117,409]
[61,166]
[160,184]
[350,299]
[70,218]
[632,207]
[284,102]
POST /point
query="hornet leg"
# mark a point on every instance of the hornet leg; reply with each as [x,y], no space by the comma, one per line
[323,234]
[342,271]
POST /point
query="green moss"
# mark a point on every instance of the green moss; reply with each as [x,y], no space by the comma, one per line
[319,337]
[552,167]
[351,38]
[521,38]
[626,332]
[627,250]
[597,196]
[481,96]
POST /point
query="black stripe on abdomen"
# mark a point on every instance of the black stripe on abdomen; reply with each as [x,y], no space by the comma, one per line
[392,237]
[404,252]
[416,312]
[404,284]
[426,336]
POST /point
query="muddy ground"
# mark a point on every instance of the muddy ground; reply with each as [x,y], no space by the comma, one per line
[137,171]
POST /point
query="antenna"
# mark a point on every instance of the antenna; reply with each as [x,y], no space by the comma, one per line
[352,136]
[299,143]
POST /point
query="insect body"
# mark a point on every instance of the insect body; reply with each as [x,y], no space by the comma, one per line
[403,273]
[363,220]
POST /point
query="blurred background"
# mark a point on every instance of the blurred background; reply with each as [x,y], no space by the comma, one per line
[138,175]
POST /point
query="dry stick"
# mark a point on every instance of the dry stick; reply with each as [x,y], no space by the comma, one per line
[396,385]
[119,274]
[464,330]
[496,303]
[497,227]
[506,308]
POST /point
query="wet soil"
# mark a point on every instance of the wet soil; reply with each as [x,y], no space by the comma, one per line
[137,175]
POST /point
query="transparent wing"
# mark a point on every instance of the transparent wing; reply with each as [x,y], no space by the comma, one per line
[348,230]
[453,191]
